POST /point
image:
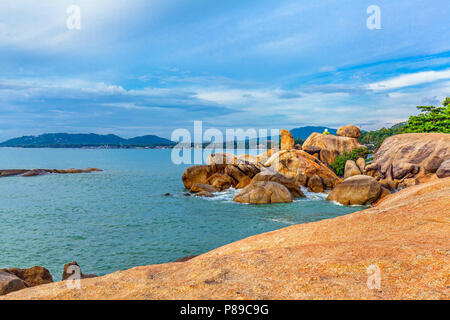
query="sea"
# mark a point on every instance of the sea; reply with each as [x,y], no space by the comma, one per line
[121,218]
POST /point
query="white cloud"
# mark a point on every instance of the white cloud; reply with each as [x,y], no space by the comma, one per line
[411,79]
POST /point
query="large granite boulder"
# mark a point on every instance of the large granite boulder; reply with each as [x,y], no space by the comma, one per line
[315,184]
[221,181]
[357,190]
[202,187]
[291,184]
[295,163]
[330,145]
[361,163]
[287,141]
[444,170]
[408,159]
[33,276]
[9,283]
[351,131]
[241,173]
[260,192]
[351,169]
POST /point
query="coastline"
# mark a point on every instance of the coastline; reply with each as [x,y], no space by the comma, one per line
[405,235]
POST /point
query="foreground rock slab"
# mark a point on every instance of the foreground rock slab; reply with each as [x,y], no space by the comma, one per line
[405,236]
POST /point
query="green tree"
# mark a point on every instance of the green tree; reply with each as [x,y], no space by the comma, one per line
[338,165]
[431,119]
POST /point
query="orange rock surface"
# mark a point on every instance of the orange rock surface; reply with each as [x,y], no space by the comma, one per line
[405,236]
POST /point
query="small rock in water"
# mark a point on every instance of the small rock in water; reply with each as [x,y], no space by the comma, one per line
[204,194]
[167,194]
[187,194]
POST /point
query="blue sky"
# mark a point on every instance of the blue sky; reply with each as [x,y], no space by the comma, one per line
[148,67]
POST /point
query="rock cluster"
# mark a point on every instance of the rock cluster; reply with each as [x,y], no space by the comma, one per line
[404,237]
[408,159]
[40,172]
[328,146]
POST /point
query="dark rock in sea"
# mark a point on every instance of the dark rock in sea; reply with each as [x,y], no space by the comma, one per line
[35,172]
[67,273]
[33,276]
[10,283]
[186,258]
[167,194]
[12,172]
[187,194]
[206,194]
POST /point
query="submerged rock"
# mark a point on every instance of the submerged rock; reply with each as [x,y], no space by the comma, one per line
[205,194]
[356,190]
[260,192]
[202,187]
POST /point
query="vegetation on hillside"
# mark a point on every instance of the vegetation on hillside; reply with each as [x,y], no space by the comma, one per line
[431,119]
[338,165]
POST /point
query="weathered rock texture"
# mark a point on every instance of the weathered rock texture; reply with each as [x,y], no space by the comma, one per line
[9,283]
[287,141]
[293,185]
[33,276]
[330,146]
[407,159]
[405,236]
[297,162]
[261,192]
[351,169]
[358,190]
[444,169]
[350,130]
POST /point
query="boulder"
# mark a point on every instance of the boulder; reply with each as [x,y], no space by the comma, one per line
[33,276]
[293,163]
[260,192]
[221,181]
[356,190]
[416,156]
[444,169]
[287,141]
[291,184]
[201,173]
[202,187]
[205,194]
[12,172]
[35,172]
[330,146]
[361,163]
[67,274]
[351,131]
[93,170]
[351,169]
[315,184]
[10,283]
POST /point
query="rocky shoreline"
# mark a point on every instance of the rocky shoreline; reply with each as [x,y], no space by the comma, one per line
[40,172]
[404,235]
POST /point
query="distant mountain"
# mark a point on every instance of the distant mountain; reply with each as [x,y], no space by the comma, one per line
[304,132]
[70,140]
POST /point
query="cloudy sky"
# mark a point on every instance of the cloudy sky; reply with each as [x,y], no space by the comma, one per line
[140,67]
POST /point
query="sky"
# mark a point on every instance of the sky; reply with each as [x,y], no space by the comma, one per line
[137,67]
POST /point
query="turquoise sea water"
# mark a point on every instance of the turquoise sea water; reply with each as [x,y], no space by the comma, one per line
[120,218]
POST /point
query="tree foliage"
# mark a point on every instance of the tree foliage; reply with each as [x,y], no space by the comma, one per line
[338,165]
